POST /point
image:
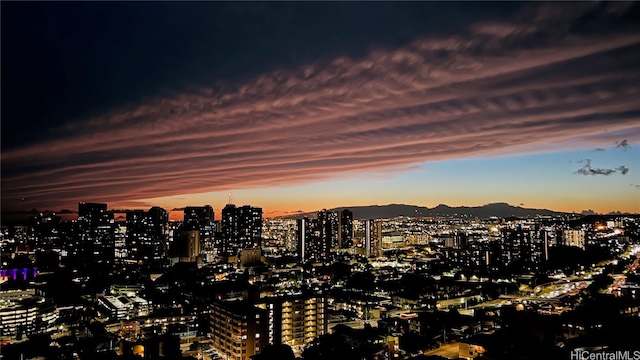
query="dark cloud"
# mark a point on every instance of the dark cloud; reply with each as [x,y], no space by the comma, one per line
[598,149]
[90,57]
[622,169]
[503,83]
[624,144]
[588,170]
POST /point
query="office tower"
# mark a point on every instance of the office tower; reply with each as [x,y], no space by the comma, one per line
[373,238]
[147,233]
[238,329]
[96,230]
[241,228]
[345,234]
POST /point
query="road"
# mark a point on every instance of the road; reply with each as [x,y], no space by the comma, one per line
[449,351]
[357,324]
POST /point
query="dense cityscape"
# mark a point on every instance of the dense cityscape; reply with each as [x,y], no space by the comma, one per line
[319,180]
[128,284]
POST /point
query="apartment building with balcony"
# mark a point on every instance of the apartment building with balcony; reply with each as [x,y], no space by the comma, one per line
[238,329]
[295,320]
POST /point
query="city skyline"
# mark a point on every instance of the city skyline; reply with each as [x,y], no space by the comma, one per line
[364,212]
[299,107]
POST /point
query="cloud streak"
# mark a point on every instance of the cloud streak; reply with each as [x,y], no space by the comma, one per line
[494,88]
[588,170]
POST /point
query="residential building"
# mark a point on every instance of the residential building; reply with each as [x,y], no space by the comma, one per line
[238,329]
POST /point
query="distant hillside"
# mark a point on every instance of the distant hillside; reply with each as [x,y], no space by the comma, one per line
[501,210]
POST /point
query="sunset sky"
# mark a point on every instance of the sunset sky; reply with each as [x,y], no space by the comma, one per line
[301,106]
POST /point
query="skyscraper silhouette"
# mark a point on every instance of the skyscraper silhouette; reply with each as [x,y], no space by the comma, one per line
[241,228]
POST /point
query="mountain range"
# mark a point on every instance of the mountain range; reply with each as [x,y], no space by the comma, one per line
[501,210]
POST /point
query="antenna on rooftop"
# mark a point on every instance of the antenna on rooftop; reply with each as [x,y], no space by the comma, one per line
[229,197]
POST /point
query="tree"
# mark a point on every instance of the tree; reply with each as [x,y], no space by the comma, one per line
[600,283]
[363,281]
[339,271]
[275,352]
[171,347]
[412,342]
[329,346]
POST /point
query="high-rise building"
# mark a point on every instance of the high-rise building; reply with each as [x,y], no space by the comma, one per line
[523,246]
[186,245]
[136,231]
[303,233]
[249,226]
[345,234]
[44,231]
[158,230]
[545,249]
[241,228]
[121,243]
[93,213]
[295,320]
[373,238]
[238,329]
[243,327]
[147,233]
[458,240]
[230,232]
[201,218]
[96,229]
[328,227]
[313,242]
[574,238]
[198,217]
